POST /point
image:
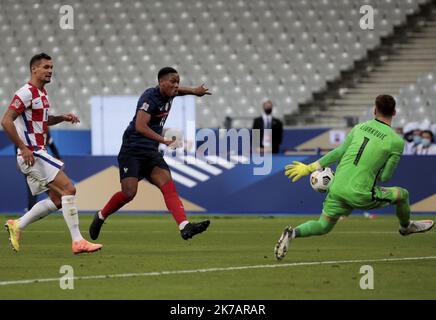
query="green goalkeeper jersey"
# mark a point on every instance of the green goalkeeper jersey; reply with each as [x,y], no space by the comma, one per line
[370,152]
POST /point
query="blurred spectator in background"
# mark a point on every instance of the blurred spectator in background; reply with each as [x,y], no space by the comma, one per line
[412,135]
[427,145]
[433,128]
[269,140]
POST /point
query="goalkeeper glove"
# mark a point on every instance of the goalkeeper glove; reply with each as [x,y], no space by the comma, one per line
[296,170]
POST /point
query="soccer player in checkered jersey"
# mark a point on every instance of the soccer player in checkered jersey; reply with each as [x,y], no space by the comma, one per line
[139,157]
[25,122]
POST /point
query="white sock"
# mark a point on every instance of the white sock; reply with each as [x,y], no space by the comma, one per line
[183,224]
[38,211]
[71,216]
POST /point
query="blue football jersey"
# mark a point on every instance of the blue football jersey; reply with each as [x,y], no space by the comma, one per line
[152,102]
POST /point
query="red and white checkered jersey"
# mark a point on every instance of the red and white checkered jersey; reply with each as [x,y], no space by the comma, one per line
[32,104]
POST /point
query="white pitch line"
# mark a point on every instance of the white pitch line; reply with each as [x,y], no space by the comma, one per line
[264,266]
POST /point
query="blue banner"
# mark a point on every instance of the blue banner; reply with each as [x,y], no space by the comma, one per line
[222,187]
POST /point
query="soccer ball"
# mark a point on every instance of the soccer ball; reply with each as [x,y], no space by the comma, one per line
[321,180]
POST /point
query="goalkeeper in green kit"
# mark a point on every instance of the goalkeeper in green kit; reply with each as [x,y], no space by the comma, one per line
[370,153]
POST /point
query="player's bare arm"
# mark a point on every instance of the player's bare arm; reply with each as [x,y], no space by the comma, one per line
[68,117]
[141,126]
[9,127]
[197,91]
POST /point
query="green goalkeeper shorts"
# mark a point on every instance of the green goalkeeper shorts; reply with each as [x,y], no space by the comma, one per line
[336,205]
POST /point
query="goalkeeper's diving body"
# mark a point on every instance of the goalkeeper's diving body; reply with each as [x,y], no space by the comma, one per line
[370,153]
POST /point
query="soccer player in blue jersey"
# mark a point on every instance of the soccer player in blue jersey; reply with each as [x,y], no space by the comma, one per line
[139,156]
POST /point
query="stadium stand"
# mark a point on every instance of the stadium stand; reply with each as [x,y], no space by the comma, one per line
[416,102]
[246,50]
[400,58]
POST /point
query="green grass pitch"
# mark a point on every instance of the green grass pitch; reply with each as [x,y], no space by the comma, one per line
[146,255]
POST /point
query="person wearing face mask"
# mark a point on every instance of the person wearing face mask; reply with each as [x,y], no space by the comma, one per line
[427,145]
[270,140]
[412,135]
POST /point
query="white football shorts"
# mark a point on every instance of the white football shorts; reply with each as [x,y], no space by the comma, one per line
[43,171]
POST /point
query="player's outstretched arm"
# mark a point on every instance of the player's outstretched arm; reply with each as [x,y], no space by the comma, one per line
[336,154]
[68,117]
[297,169]
[197,91]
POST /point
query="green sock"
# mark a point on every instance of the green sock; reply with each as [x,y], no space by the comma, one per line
[314,228]
[403,208]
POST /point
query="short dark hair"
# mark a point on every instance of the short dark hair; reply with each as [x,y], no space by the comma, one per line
[164,71]
[38,57]
[430,133]
[385,104]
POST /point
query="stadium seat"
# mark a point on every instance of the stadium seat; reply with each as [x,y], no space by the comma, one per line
[261,46]
[416,102]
